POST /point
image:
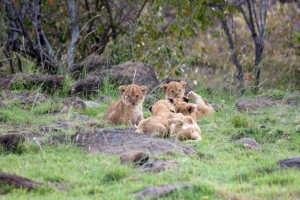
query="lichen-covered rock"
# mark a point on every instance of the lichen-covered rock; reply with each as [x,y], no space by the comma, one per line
[133,73]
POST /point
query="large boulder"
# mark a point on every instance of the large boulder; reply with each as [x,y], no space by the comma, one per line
[133,73]
[87,86]
[118,141]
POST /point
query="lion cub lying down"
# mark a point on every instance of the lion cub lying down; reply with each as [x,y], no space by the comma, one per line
[184,129]
[158,124]
[128,110]
[197,111]
[165,122]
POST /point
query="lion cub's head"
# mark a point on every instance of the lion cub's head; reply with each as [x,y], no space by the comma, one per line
[174,89]
[181,106]
[184,129]
[132,95]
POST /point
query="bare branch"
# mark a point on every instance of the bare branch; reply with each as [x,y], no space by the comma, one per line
[255,16]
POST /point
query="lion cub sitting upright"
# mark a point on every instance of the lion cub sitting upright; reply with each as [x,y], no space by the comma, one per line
[174,89]
[128,110]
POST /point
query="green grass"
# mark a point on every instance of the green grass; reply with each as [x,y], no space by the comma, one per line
[223,170]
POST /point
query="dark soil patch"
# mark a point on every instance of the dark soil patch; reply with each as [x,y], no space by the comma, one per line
[251,105]
[254,105]
[17,181]
[117,141]
[11,142]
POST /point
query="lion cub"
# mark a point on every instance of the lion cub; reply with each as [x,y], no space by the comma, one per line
[158,124]
[197,111]
[174,89]
[128,110]
[184,129]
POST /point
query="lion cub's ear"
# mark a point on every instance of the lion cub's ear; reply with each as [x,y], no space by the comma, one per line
[190,108]
[143,89]
[164,87]
[188,120]
[122,88]
[175,121]
[183,83]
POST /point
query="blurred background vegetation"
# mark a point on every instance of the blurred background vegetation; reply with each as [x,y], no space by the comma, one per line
[180,39]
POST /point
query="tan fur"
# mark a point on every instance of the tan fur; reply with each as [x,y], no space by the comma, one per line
[158,124]
[197,111]
[174,89]
[128,110]
[184,129]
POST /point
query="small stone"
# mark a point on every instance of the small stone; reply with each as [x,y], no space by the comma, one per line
[249,142]
[84,118]
[156,166]
[104,99]
[91,104]
[3,104]
[290,163]
[160,191]
[134,156]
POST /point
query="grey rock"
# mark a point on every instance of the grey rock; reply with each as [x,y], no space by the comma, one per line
[136,157]
[133,73]
[117,141]
[75,102]
[249,143]
[84,118]
[91,104]
[2,104]
[253,105]
[290,163]
[156,166]
[160,191]
[104,99]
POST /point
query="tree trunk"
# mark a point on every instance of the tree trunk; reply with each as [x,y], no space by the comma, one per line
[259,46]
[234,55]
[73,11]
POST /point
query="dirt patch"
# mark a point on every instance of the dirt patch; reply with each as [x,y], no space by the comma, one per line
[254,105]
[11,142]
[17,181]
[117,141]
[251,105]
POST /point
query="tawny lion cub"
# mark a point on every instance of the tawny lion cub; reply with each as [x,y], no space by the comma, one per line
[158,124]
[174,89]
[128,110]
[197,111]
[184,129]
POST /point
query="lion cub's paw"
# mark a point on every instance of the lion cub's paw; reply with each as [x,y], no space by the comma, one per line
[192,95]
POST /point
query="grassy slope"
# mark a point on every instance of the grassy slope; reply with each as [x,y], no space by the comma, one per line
[224,170]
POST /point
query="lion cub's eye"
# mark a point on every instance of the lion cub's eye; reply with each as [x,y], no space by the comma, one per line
[179,90]
[137,96]
[172,91]
[128,96]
